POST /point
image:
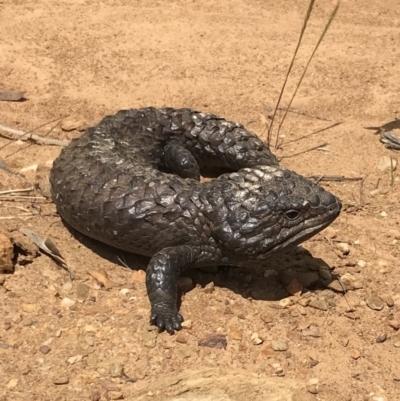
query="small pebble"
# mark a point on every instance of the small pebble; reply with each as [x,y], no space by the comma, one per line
[312,386]
[90,328]
[30,308]
[357,285]
[116,370]
[347,280]
[383,263]
[330,232]
[375,303]
[278,345]
[285,303]
[209,288]
[67,287]
[386,163]
[383,214]
[337,286]
[228,311]
[381,338]
[89,341]
[318,304]
[12,383]
[67,303]
[266,317]
[355,354]
[256,340]
[181,338]
[82,290]
[394,324]
[27,321]
[95,396]
[183,352]
[388,299]
[278,370]
[362,263]
[311,331]
[72,123]
[124,291]
[235,334]
[44,349]
[61,380]
[344,247]
[214,341]
[26,370]
[304,301]
[115,395]
[394,233]
[375,192]
[74,359]
[148,339]
[187,324]
[375,397]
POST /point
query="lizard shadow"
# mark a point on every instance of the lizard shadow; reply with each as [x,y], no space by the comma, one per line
[269,283]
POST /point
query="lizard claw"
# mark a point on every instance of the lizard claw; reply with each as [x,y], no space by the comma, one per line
[166,320]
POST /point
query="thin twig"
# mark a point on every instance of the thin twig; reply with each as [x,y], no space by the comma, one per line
[21,149]
[123,262]
[12,198]
[296,110]
[362,191]
[314,133]
[305,22]
[339,178]
[26,136]
[18,190]
[305,151]
[19,216]
[392,169]
[20,208]
[331,18]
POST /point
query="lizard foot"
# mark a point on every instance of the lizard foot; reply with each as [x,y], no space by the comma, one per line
[166,319]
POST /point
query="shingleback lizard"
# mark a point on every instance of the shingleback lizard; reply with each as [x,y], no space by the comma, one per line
[132,182]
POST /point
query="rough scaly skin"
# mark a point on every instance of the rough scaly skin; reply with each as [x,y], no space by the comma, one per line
[132,182]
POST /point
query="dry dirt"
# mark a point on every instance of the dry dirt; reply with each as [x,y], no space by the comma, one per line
[83,59]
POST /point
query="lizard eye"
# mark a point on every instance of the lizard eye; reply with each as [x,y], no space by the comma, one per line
[292,214]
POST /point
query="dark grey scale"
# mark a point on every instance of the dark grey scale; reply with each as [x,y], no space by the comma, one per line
[132,182]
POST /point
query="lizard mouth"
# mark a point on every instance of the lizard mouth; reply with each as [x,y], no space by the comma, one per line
[311,227]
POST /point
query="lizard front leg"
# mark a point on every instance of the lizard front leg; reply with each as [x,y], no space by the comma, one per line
[161,281]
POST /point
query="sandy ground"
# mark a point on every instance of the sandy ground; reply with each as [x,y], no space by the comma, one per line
[79,60]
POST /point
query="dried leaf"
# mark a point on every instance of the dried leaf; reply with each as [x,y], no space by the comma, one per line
[48,247]
[74,359]
[101,278]
[11,96]
[214,341]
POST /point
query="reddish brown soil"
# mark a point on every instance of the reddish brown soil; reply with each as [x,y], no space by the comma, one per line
[85,59]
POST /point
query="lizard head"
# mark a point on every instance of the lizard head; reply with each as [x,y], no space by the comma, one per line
[260,211]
